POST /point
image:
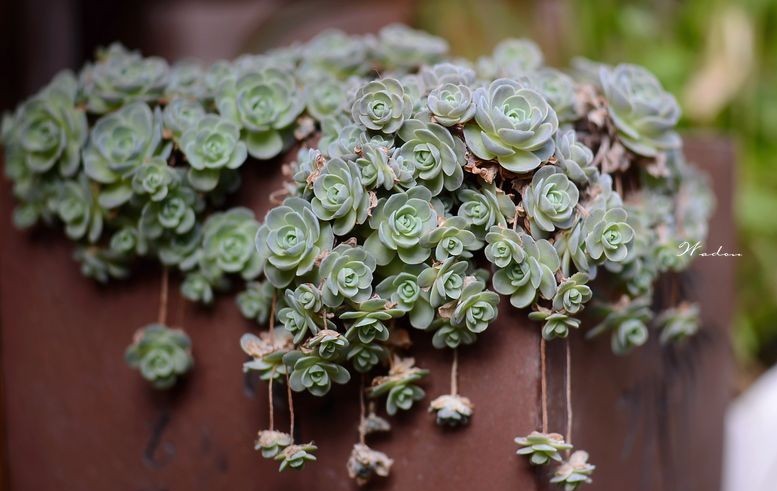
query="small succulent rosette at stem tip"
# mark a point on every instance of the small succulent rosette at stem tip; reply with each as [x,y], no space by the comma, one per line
[574,472]
[161,354]
[452,410]
[271,442]
[541,448]
[295,456]
[366,463]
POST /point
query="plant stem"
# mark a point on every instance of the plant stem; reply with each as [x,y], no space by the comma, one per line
[162,318]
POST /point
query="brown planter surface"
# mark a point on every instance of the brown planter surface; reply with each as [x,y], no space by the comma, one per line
[77,418]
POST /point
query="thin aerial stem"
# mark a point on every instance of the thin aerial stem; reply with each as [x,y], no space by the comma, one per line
[569,390]
[162,318]
[291,408]
[361,410]
[544,385]
[455,372]
[269,401]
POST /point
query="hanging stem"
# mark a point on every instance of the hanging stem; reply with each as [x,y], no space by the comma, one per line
[543,385]
[269,400]
[361,410]
[569,391]
[291,408]
[455,372]
[162,318]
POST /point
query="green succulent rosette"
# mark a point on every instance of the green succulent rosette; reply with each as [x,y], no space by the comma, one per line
[120,77]
[444,281]
[626,321]
[196,288]
[382,105]
[557,324]
[513,125]
[179,115]
[399,222]
[303,314]
[339,196]
[294,457]
[328,344]
[365,357]
[255,302]
[399,386]
[550,200]
[78,208]
[161,354]
[376,171]
[511,58]
[175,214]
[505,246]
[575,159]
[485,207]
[644,114]
[452,238]
[324,96]
[608,235]
[153,179]
[209,146]
[118,145]
[404,48]
[574,472]
[403,290]
[572,294]
[451,410]
[187,79]
[337,54]
[47,130]
[314,374]
[290,240]
[451,104]
[476,307]
[523,280]
[264,103]
[271,442]
[447,335]
[437,156]
[560,91]
[369,320]
[267,351]
[228,245]
[679,322]
[541,448]
[346,273]
[101,264]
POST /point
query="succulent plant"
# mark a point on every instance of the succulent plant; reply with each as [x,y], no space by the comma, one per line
[451,104]
[572,294]
[399,222]
[196,288]
[607,235]
[374,163]
[574,158]
[303,314]
[403,290]
[557,324]
[535,273]
[255,302]
[679,322]
[644,114]
[444,281]
[513,125]
[79,211]
[120,77]
[382,105]
[161,354]
[154,178]
[366,463]
[451,410]
[176,213]
[369,321]
[542,447]
[118,144]
[228,244]
[560,91]
[267,351]
[451,239]
[314,374]
[339,196]
[271,442]
[437,156]
[450,336]
[295,456]
[337,54]
[209,146]
[405,48]
[626,320]
[485,207]
[47,130]
[399,385]
[476,307]
[180,115]
[574,472]
[328,344]
[346,272]
[550,200]
[101,264]
[364,357]
[290,240]
[264,103]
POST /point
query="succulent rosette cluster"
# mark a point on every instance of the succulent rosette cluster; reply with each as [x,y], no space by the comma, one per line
[161,354]
[420,190]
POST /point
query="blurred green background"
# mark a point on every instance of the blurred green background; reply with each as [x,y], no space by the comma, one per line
[720,59]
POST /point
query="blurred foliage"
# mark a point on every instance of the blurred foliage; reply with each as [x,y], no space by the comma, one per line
[718,56]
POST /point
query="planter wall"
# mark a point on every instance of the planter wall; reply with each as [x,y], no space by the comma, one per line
[77,418]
